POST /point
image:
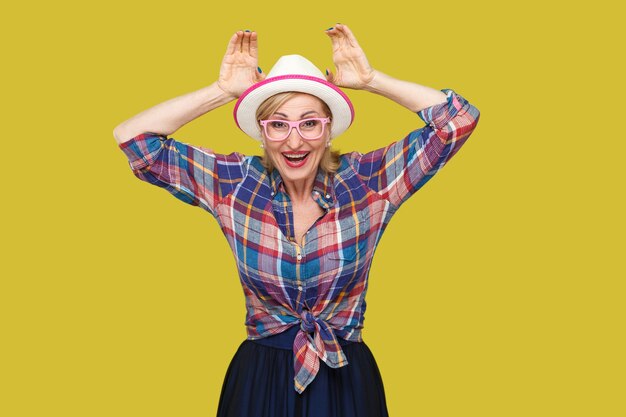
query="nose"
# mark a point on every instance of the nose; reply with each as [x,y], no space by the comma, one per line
[294,140]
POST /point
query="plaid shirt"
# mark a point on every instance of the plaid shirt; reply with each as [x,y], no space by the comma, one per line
[321,284]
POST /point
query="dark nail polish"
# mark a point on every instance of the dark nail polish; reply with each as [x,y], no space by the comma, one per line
[330,28]
[326,72]
[246,30]
[259,69]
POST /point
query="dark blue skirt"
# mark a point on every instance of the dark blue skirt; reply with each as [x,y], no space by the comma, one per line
[259,383]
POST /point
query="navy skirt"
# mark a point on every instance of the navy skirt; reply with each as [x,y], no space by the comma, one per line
[259,383]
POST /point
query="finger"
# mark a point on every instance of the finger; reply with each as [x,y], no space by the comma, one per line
[254,53]
[330,77]
[332,32]
[232,44]
[333,35]
[239,41]
[349,35]
[340,36]
[245,43]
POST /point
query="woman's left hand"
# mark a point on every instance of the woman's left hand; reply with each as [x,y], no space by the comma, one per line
[353,69]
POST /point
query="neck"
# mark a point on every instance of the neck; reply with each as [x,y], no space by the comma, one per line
[299,191]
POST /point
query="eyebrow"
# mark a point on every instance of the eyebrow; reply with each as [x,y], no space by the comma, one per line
[302,115]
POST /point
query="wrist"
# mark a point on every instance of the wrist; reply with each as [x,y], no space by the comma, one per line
[373,85]
[224,94]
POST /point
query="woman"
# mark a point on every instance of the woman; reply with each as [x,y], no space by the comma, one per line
[303,222]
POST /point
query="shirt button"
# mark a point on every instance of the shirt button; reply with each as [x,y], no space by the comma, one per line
[299,257]
[327,195]
[299,287]
[272,193]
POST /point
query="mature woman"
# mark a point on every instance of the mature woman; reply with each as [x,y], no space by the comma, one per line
[303,222]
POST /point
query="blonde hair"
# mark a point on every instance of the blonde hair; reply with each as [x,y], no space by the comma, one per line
[330,159]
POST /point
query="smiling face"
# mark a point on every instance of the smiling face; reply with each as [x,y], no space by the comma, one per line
[295,158]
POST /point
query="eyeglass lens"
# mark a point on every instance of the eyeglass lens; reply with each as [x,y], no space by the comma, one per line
[309,129]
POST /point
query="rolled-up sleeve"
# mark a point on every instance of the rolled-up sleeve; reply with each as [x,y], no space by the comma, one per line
[398,170]
[192,174]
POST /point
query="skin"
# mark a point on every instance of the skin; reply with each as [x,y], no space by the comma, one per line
[239,71]
[299,181]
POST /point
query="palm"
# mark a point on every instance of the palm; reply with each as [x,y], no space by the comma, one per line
[353,69]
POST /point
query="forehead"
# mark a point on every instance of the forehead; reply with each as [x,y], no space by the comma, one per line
[301,102]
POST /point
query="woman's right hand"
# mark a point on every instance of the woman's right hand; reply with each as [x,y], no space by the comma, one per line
[240,67]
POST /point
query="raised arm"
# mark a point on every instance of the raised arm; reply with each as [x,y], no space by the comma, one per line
[193,174]
[398,170]
[238,71]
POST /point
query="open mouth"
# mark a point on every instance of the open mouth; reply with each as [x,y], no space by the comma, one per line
[295,159]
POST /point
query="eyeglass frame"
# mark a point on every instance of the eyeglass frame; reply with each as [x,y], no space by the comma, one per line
[296,124]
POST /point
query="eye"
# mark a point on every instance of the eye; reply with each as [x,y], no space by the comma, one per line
[278,125]
[308,124]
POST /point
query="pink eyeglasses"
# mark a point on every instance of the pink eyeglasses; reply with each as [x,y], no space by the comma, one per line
[309,129]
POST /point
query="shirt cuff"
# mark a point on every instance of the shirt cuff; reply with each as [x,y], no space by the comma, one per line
[440,115]
[142,149]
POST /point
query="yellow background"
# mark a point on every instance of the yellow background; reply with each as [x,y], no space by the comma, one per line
[498,289]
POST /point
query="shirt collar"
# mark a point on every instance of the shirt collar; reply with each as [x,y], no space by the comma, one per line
[322,185]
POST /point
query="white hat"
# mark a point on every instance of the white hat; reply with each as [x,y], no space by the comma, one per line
[293,73]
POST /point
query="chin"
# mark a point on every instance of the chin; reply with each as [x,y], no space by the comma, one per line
[295,174]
